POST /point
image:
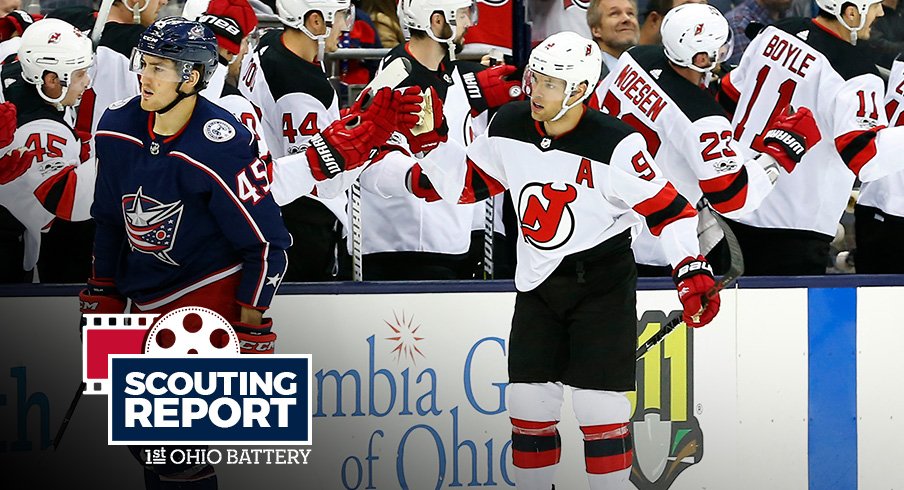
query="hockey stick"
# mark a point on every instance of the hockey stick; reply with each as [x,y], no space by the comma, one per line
[489,223]
[735,270]
[68,416]
[390,75]
[103,13]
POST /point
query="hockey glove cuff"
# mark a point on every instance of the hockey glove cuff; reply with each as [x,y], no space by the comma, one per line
[256,339]
[7,123]
[495,87]
[98,299]
[790,136]
[343,145]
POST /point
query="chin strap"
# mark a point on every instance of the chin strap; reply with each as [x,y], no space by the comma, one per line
[180,96]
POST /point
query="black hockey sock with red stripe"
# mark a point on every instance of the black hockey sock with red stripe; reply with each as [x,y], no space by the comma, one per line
[607,448]
[535,444]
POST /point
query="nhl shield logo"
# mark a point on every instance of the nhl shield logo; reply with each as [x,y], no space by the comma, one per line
[667,435]
[151,225]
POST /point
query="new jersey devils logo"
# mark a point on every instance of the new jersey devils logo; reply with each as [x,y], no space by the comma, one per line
[151,225]
[547,221]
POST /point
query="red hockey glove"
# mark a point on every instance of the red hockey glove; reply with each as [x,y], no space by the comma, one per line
[790,135]
[388,110]
[343,145]
[419,184]
[495,87]
[694,278]
[7,123]
[15,22]
[15,163]
[256,339]
[431,130]
[85,138]
[99,298]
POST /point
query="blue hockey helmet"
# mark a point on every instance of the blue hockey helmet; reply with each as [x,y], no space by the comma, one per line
[190,44]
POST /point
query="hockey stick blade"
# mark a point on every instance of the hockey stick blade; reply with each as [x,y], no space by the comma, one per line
[735,271]
[68,416]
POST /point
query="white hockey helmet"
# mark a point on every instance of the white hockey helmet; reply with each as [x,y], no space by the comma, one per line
[416,14]
[834,7]
[694,28]
[292,13]
[570,57]
[54,45]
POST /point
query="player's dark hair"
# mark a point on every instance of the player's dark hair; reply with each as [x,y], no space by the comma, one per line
[825,14]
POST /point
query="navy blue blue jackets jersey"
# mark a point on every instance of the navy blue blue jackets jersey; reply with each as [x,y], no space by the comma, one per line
[176,213]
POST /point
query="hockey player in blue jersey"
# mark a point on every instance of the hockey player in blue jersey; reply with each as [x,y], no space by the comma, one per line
[182,207]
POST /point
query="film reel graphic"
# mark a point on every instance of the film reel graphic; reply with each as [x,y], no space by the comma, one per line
[191,330]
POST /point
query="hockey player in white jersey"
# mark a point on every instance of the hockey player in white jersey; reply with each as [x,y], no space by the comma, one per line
[127,20]
[582,180]
[658,90]
[285,80]
[233,21]
[879,212]
[813,63]
[54,59]
[404,237]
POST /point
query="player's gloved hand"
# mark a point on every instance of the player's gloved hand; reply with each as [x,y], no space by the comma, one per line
[15,163]
[431,129]
[15,23]
[417,182]
[495,87]
[85,151]
[7,123]
[694,278]
[343,145]
[99,298]
[790,135]
[388,110]
[256,339]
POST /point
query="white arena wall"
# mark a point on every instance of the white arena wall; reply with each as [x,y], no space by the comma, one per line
[795,385]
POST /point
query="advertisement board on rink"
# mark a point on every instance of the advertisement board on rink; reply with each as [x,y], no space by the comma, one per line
[408,391]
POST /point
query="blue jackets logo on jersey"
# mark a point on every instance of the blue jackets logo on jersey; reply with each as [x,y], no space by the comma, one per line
[151,225]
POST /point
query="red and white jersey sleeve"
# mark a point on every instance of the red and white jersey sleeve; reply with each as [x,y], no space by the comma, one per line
[887,193]
[57,185]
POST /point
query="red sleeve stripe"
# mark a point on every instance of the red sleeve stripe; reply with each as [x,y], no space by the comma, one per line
[857,148]
[261,280]
[890,109]
[57,193]
[665,207]
[726,193]
[478,185]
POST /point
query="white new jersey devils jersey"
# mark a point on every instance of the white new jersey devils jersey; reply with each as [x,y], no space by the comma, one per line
[887,193]
[394,219]
[57,184]
[799,62]
[296,101]
[571,193]
[111,78]
[687,133]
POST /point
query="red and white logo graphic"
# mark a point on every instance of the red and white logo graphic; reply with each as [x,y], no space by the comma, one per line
[698,30]
[54,38]
[151,225]
[185,331]
[547,221]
